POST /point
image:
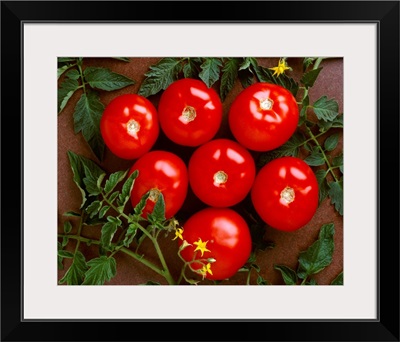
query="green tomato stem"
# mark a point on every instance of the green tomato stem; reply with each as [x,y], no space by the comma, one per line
[124,250]
[82,77]
[248,277]
[165,273]
[79,231]
[313,137]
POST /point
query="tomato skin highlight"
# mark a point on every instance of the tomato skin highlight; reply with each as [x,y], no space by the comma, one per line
[263,116]
[228,239]
[285,193]
[221,172]
[129,126]
[190,113]
[163,171]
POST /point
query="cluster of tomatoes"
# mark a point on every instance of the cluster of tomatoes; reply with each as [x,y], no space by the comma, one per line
[221,172]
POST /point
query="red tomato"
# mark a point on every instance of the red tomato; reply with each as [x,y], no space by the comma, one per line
[263,116]
[190,113]
[129,126]
[160,171]
[285,193]
[221,172]
[220,234]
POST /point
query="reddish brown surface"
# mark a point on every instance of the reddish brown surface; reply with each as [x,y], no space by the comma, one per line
[129,271]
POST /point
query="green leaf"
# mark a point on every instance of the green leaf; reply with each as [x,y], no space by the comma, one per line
[307,62]
[107,233]
[191,68]
[115,220]
[130,234]
[65,92]
[246,77]
[316,158]
[72,213]
[101,269]
[73,74]
[261,281]
[338,280]
[290,148]
[113,180]
[323,187]
[150,282]
[326,110]
[336,196]
[160,76]
[66,59]
[289,275]
[326,125]
[105,79]
[245,73]
[319,254]
[309,78]
[78,165]
[123,59]
[127,188]
[65,254]
[210,70]
[246,63]
[158,213]
[265,75]
[67,227]
[331,142]
[312,281]
[138,210]
[303,111]
[93,208]
[113,196]
[60,265]
[76,272]
[103,211]
[65,241]
[229,76]
[338,161]
[62,69]
[87,115]
[91,182]
[100,180]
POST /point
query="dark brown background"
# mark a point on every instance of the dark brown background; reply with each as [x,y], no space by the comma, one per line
[130,272]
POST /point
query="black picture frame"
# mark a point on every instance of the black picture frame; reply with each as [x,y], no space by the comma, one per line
[15,328]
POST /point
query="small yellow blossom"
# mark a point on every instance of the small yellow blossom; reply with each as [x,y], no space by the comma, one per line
[206,269]
[201,246]
[280,69]
[178,233]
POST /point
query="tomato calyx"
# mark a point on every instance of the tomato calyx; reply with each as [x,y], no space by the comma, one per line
[266,104]
[287,195]
[154,194]
[132,127]
[188,114]
[220,178]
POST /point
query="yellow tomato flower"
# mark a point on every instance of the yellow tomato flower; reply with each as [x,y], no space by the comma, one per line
[178,233]
[205,269]
[281,68]
[201,246]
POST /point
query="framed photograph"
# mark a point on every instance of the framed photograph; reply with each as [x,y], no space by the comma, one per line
[194,172]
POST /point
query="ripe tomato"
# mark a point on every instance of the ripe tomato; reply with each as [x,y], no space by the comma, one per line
[190,113]
[217,233]
[263,116]
[129,126]
[285,193]
[221,172]
[160,171]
